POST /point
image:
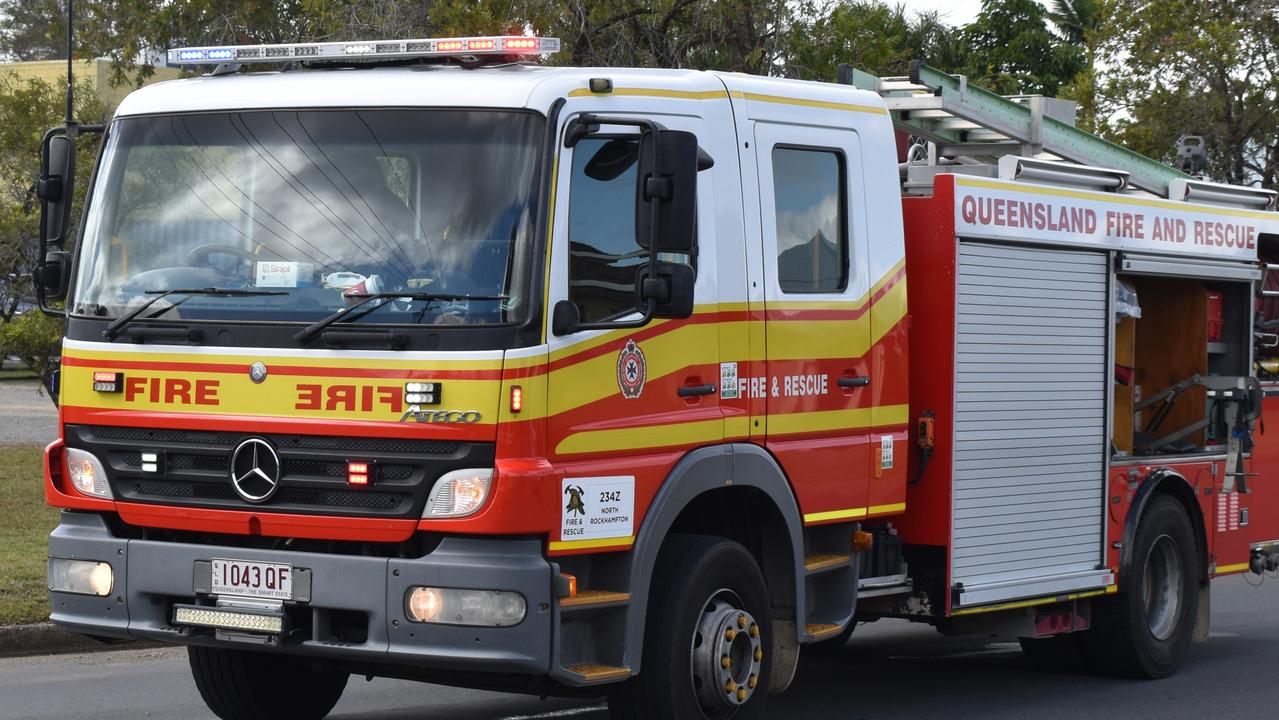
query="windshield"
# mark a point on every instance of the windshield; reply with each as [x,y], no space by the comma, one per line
[319,206]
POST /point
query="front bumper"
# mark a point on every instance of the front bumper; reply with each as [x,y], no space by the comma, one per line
[150,577]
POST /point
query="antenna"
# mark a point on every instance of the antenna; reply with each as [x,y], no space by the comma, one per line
[70,82]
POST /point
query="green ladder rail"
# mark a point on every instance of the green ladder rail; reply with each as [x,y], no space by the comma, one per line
[964,120]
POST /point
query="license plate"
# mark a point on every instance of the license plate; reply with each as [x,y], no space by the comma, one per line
[252,579]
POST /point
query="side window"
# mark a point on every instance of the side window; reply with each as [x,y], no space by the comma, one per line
[603,255]
[812,227]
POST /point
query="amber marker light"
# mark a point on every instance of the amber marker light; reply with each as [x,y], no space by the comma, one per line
[517,398]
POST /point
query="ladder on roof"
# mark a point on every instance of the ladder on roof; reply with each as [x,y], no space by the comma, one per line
[966,121]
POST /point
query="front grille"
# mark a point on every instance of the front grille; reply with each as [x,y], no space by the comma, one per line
[195,469]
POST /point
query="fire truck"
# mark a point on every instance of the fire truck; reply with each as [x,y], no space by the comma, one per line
[418,359]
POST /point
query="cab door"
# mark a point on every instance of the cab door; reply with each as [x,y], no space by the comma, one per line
[817,316]
[624,404]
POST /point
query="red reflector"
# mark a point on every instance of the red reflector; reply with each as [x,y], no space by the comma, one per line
[357,479]
[101,376]
[520,43]
[480,44]
[355,467]
[517,398]
[447,45]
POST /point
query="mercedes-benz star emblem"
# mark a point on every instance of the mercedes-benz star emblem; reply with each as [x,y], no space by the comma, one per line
[257,372]
[255,470]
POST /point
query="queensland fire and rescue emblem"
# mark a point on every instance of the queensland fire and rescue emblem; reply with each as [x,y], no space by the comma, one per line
[632,370]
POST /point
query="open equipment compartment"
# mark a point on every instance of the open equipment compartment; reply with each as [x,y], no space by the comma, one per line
[1176,343]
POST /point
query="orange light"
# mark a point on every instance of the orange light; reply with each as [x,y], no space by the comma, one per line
[517,398]
[104,376]
[425,604]
[520,43]
[449,45]
[862,541]
[480,44]
[572,584]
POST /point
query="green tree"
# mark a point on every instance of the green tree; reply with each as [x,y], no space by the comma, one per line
[875,37]
[1011,50]
[1195,67]
[33,29]
[1078,23]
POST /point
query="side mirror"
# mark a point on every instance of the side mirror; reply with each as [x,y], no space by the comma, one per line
[566,319]
[666,209]
[53,275]
[671,290]
[56,185]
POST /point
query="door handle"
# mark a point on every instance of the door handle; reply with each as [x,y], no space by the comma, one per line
[695,390]
[852,382]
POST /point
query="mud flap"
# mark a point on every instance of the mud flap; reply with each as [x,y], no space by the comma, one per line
[1202,618]
[785,655]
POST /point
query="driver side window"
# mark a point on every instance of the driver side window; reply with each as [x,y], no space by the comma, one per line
[603,255]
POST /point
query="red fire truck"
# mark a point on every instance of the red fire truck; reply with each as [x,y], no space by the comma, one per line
[412,359]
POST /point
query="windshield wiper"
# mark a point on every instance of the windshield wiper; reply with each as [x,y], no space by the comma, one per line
[119,323]
[318,326]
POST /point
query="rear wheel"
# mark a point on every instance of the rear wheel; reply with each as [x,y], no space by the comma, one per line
[706,637]
[1146,630]
[242,685]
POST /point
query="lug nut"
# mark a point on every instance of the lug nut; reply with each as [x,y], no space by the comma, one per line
[741,621]
[753,681]
[729,634]
[725,662]
[741,695]
[759,654]
[754,630]
[730,686]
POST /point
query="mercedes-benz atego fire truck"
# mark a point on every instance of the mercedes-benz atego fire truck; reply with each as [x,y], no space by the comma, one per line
[415,359]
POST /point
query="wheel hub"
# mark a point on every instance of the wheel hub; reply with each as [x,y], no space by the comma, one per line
[1163,587]
[727,653]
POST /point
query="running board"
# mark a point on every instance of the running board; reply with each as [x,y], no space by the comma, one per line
[591,674]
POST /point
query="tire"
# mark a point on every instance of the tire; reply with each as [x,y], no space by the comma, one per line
[1057,654]
[708,600]
[1145,631]
[243,685]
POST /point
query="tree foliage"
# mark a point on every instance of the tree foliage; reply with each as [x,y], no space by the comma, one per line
[1012,50]
[1196,67]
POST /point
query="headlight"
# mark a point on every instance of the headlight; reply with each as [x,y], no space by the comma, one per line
[83,577]
[87,474]
[450,606]
[458,493]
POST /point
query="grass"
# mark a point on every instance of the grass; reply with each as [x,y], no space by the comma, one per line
[17,375]
[25,523]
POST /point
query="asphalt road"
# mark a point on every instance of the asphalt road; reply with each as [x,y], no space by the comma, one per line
[27,417]
[888,670]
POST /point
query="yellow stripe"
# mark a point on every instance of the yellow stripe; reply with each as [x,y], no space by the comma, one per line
[1033,603]
[804,102]
[812,422]
[1238,567]
[835,515]
[590,544]
[1117,199]
[550,233]
[888,276]
[653,92]
[886,509]
[639,438]
[247,357]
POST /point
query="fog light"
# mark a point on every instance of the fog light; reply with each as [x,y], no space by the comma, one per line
[479,608]
[87,474]
[82,577]
[458,493]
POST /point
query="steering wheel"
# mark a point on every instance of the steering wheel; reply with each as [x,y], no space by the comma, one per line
[198,256]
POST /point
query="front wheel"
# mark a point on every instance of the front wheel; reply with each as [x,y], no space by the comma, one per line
[706,637]
[243,685]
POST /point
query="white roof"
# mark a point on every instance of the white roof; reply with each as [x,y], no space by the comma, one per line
[512,86]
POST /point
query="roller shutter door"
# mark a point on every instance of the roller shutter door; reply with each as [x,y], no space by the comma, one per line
[1030,425]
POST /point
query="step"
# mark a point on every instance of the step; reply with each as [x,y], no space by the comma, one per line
[818,562]
[592,673]
[592,599]
[819,631]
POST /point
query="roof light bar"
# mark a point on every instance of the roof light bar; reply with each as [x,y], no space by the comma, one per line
[364,49]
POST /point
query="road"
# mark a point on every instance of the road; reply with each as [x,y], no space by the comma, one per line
[29,418]
[888,670]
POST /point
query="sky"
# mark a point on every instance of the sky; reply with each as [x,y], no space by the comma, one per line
[954,12]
